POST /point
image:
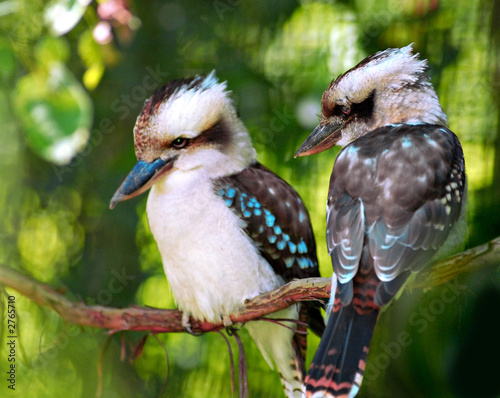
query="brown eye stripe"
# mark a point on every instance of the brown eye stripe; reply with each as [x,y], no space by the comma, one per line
[217,135]
[329,111]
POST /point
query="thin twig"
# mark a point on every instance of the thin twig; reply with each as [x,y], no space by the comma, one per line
[280,322]
[167,365]
[242,364]
[231,359]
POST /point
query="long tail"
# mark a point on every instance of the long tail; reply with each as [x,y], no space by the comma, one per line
[338,366]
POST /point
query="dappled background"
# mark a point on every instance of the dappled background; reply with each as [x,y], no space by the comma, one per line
[73,78]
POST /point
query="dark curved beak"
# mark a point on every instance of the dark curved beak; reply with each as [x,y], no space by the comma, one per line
[141,178]
[322,138]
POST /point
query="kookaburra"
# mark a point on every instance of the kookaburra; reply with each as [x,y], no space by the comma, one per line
[396,197]
[227,228]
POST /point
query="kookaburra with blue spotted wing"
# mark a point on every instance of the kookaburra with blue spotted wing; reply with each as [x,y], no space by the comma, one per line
[397,197]
[227,228]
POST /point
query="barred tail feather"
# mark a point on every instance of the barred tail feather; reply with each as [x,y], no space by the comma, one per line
[338,366]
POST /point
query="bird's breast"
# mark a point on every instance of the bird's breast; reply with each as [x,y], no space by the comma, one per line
[210,263]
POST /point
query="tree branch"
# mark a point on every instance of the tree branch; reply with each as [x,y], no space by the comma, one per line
[162,321]
[157,320]
[465,263]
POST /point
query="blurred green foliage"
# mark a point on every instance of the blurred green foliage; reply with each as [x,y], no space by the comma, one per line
[73,77]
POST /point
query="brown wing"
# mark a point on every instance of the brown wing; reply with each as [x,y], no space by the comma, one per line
[275,218]
[394,196]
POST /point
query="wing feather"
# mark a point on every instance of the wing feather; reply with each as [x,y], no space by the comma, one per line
[345,229]
[402,203]
[274,217]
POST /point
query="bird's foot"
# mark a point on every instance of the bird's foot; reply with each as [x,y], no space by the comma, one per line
[187,324]
[233,329]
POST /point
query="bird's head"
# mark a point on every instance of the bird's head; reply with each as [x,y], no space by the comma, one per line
[388,87]
[187,129]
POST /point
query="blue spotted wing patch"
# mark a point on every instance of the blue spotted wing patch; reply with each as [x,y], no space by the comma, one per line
[274,217]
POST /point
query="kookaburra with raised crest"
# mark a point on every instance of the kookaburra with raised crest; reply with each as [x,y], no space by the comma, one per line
[396,197]
[227,228]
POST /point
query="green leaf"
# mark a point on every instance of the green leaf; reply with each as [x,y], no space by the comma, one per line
[52,49]
[55,111]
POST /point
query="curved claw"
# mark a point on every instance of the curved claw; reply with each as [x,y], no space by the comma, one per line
[232,329]
[187,325]
[188,329]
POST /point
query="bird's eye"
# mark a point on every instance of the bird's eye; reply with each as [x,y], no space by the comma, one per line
[345,110]
[180,142]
